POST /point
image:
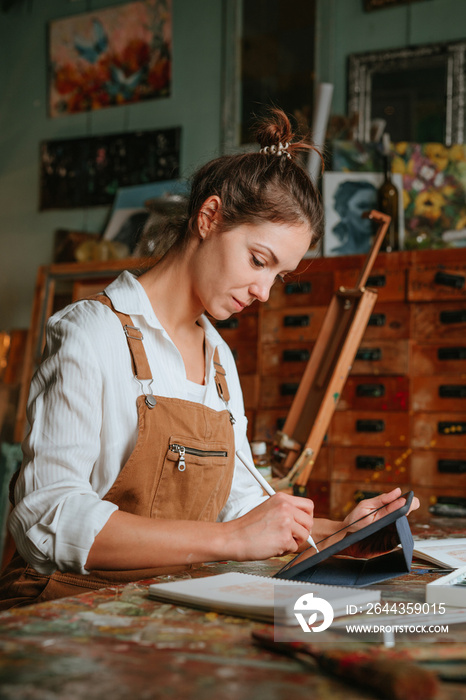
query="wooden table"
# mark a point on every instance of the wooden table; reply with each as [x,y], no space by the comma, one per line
[117,643]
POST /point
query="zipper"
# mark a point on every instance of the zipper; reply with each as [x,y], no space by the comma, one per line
[181,450]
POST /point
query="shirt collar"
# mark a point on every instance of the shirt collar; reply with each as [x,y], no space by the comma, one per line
[128,297]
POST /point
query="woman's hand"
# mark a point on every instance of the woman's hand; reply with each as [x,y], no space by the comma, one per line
[383,541]
[280,524]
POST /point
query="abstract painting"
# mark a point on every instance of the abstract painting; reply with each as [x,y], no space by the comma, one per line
[110,57]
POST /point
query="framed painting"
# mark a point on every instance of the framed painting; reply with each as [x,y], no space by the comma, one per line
[89,171]
[346,197]
[116,56]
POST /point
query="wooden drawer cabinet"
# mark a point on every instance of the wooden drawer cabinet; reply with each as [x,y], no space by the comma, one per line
[439,431]
[389,284]
[285,358]
[382,357]
[439,468]
[439,320]
[371,464]
[436,282]
[375,393]
[310,287]
[443,392]
[440,357]
[345,495]
[292,324]
[369,428]
[388,321]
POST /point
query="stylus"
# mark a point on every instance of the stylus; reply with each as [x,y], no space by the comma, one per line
[265,484]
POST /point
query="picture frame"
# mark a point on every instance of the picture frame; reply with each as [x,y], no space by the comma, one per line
[346,196]
[88,171]
[110,57]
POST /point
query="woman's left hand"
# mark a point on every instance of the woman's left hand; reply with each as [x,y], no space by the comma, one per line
[385,540]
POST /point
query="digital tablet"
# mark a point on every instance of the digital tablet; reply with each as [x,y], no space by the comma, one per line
[331,566]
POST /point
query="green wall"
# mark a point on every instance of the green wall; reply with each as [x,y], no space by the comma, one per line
[26,235]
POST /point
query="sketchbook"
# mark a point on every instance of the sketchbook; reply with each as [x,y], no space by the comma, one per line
[449,590]
[252,596]
[449,553]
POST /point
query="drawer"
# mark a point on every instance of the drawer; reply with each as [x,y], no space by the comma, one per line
[371,464]
[439,320]
[436,282]
[278,392]
[439,393]
[377,393]
[292,324]
[382,357]
[431,495]
[439,431]
[441,358]
[245,355]
[371,428]
[285,358]
[345,495]
[242,327]
[268,422]
[390,285]
[439,468]
[306,288]
[250,387]
[388,321]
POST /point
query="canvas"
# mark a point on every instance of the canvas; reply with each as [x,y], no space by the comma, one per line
[346,197]
[110,57]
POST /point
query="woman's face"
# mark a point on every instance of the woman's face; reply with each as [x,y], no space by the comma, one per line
[234,268]
[363,200]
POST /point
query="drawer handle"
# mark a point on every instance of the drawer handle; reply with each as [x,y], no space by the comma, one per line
[370,426]
[298,288]
[296,355]
[296,321]
[228,323]
[446,279]
[451,353]
[289,388]
[447,317]
[377,320]
[451,428]
[370,462]
[372,391]
[376,281]
[371,354]
[280,423]
[452,391]
[451,466]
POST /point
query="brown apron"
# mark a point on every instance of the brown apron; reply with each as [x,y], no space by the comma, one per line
[181,468]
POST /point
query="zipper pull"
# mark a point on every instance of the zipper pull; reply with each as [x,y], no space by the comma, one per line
[232,418]
[181,462]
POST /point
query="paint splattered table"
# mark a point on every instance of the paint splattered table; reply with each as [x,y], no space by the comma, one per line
[117,643]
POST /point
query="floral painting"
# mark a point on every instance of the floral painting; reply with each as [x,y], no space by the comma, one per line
[115,56]
[434,193]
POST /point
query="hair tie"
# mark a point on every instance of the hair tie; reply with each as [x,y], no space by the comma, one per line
[280,150]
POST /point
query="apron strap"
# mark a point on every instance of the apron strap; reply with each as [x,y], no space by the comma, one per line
[220,378]
[134,337]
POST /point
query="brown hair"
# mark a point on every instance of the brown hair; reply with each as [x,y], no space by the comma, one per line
[254,187]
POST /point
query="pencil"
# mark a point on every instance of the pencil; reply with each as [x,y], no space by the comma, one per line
[265,484]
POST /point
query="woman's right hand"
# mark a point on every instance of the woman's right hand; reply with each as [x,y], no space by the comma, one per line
[278,525]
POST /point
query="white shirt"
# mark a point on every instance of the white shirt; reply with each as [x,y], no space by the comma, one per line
[83,418]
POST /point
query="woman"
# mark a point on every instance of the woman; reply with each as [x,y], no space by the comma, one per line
[136,411]
[354,233]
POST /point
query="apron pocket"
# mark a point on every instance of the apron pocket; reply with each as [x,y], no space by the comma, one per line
[194,482]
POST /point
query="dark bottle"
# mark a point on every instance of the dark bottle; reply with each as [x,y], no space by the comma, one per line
[388,204]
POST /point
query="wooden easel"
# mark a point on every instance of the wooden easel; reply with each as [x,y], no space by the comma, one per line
[298,443]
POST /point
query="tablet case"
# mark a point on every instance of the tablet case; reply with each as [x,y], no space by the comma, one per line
[326,567]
